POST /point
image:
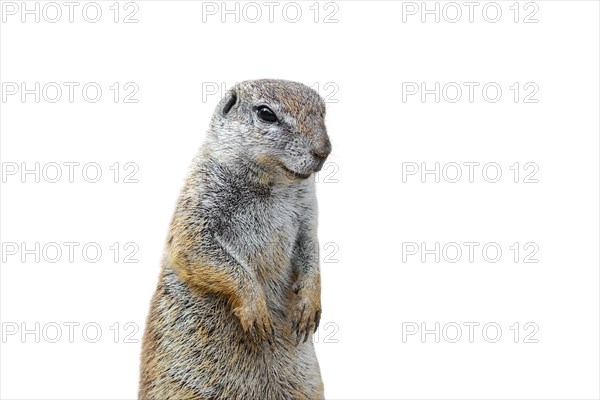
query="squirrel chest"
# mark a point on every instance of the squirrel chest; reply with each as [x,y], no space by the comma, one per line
[262,230]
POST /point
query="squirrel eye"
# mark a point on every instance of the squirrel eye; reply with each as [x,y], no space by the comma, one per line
[266,114]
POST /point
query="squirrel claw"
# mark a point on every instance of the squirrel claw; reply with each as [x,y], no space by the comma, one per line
[256,320]
[307,312]
[305,321]
[317,320]
[298,337]
[306,334]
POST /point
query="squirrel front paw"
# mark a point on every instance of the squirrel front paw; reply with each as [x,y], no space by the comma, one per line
[307,312]
[255,317]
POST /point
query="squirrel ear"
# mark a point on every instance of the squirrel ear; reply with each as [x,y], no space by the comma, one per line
[231,100]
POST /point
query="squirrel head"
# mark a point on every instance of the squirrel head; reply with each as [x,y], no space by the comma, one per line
[278,125]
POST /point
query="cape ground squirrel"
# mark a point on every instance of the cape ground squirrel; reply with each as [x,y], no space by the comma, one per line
[239,292]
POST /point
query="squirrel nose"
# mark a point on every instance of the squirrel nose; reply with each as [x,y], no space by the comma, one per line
[319,154]
[322,149]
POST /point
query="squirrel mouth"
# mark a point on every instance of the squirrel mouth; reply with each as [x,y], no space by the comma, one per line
[294,174]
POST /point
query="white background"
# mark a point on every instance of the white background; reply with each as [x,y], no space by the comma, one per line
[362,62]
